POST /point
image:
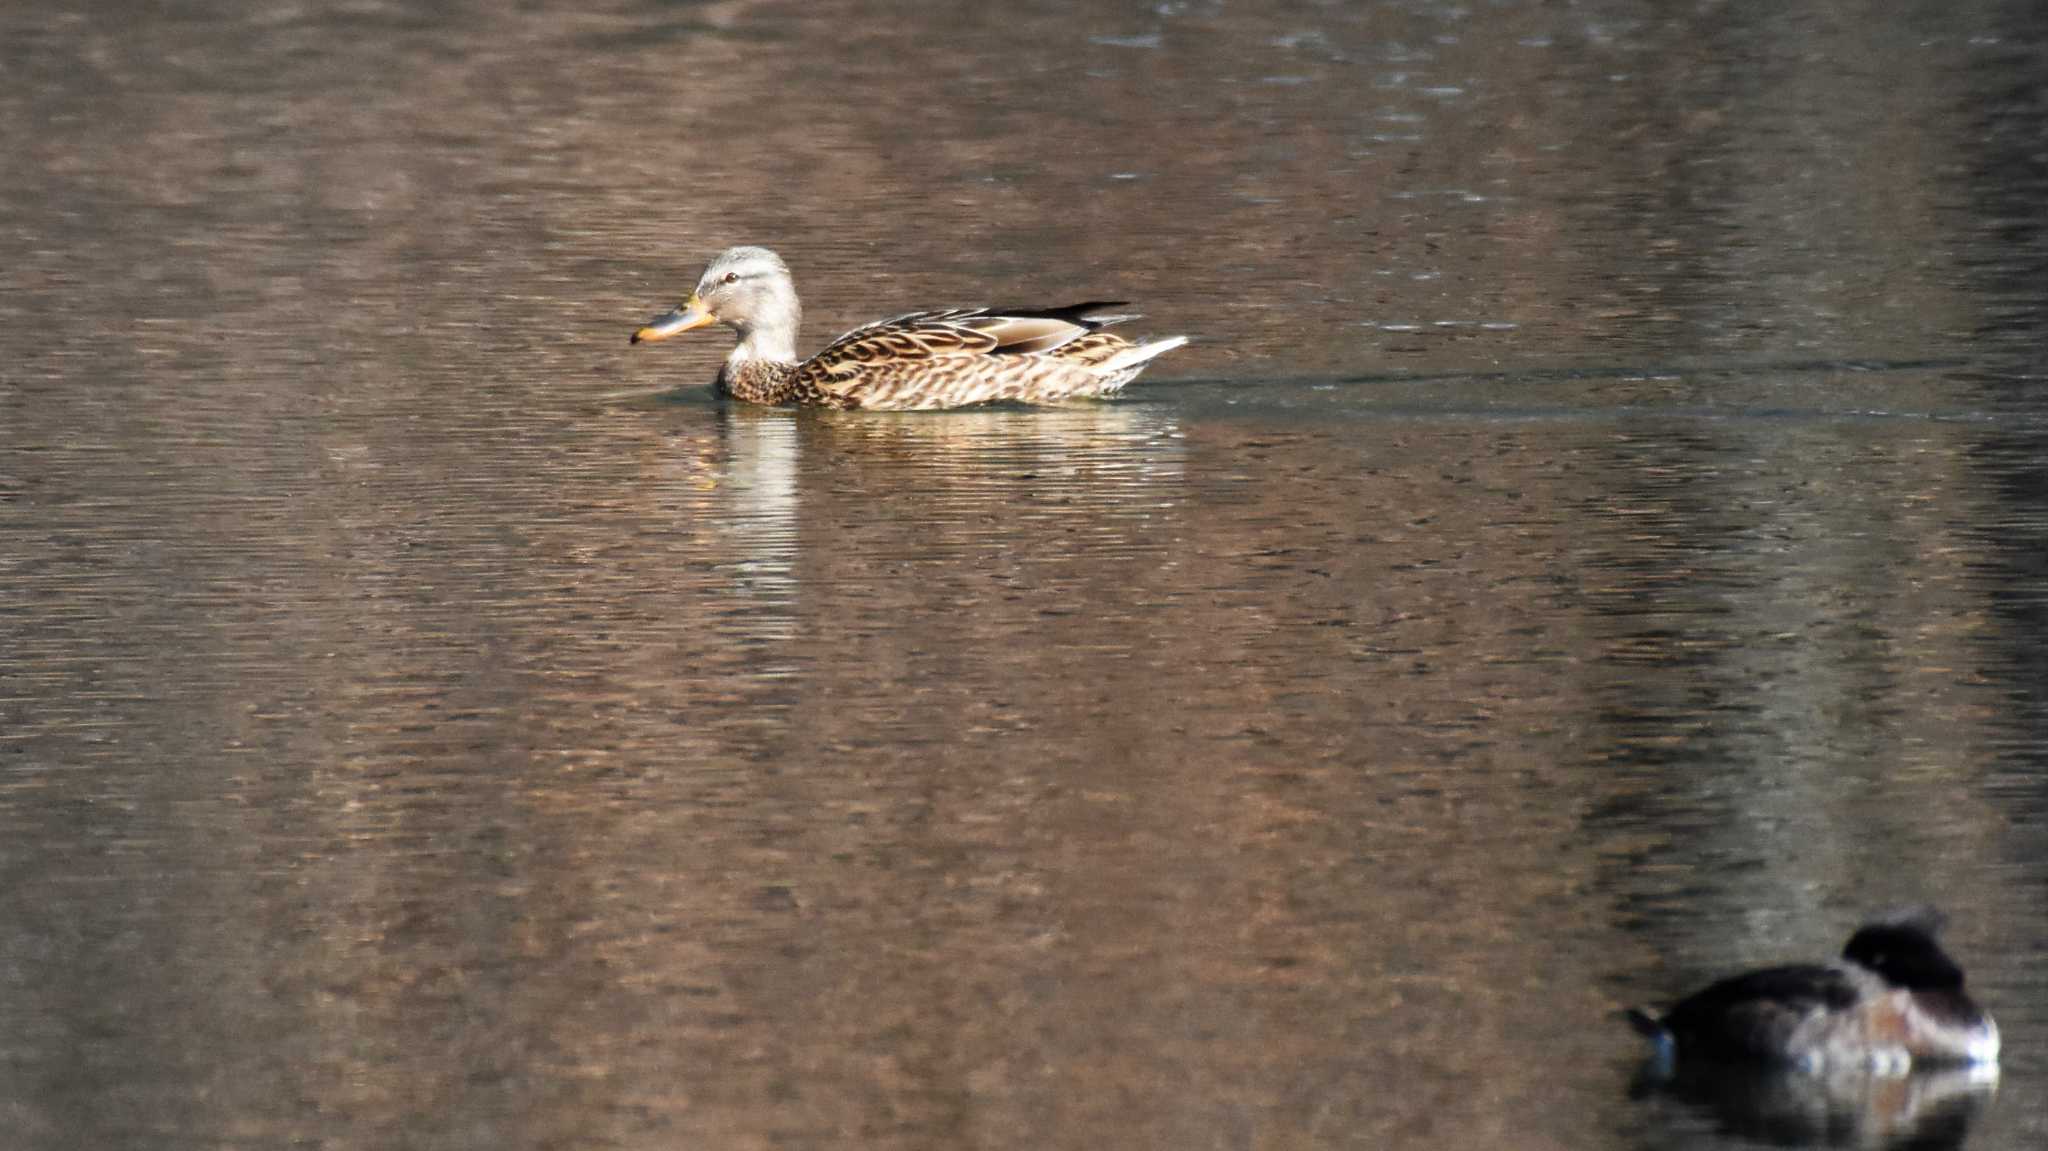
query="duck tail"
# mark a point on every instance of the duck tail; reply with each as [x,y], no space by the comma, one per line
[1139,355]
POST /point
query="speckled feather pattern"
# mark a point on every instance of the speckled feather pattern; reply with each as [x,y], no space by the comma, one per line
[927,360]
[918,384]
[923,360]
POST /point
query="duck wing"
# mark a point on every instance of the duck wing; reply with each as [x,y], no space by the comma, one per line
[1035,331]
[965,356]
[962,332]
[1753,1015]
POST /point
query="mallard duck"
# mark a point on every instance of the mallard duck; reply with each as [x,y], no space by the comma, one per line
[1893,1001]
[943,359]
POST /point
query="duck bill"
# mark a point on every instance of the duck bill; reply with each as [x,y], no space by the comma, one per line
[690,315]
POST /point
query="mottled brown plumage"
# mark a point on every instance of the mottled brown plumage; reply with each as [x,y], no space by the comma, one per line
[939,359]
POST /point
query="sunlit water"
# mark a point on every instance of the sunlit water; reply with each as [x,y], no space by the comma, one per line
[1595,542]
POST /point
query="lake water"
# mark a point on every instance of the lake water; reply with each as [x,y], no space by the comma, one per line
[1596,540]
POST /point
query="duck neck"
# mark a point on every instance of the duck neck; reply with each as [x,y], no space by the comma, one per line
[769,335]
[775,347]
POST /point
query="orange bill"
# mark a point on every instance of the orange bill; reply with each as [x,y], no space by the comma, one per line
[690,315]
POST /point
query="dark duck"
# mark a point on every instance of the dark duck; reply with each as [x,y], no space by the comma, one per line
[1893,1001]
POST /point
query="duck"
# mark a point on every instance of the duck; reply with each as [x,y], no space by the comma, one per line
[1893,1001]
[948,358]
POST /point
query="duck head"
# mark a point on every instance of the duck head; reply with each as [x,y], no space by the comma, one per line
[747,289]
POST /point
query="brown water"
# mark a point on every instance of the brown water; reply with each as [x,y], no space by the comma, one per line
[1598,539]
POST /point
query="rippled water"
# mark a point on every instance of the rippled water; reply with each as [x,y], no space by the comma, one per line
[1596,541]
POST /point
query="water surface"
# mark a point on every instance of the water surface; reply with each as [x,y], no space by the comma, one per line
[1595,542]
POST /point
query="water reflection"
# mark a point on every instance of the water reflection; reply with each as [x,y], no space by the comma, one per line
[757,509]
[1928,1110]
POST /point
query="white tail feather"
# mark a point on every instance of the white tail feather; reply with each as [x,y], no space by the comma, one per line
[1139,356]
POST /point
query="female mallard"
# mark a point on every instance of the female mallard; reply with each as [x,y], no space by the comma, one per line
[944,359]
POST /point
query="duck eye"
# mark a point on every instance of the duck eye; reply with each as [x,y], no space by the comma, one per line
[732,277]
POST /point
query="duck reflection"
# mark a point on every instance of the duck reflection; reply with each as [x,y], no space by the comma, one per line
[846,524]
[1051,485]
[1848,1107]
[1112,439]
[758,507]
